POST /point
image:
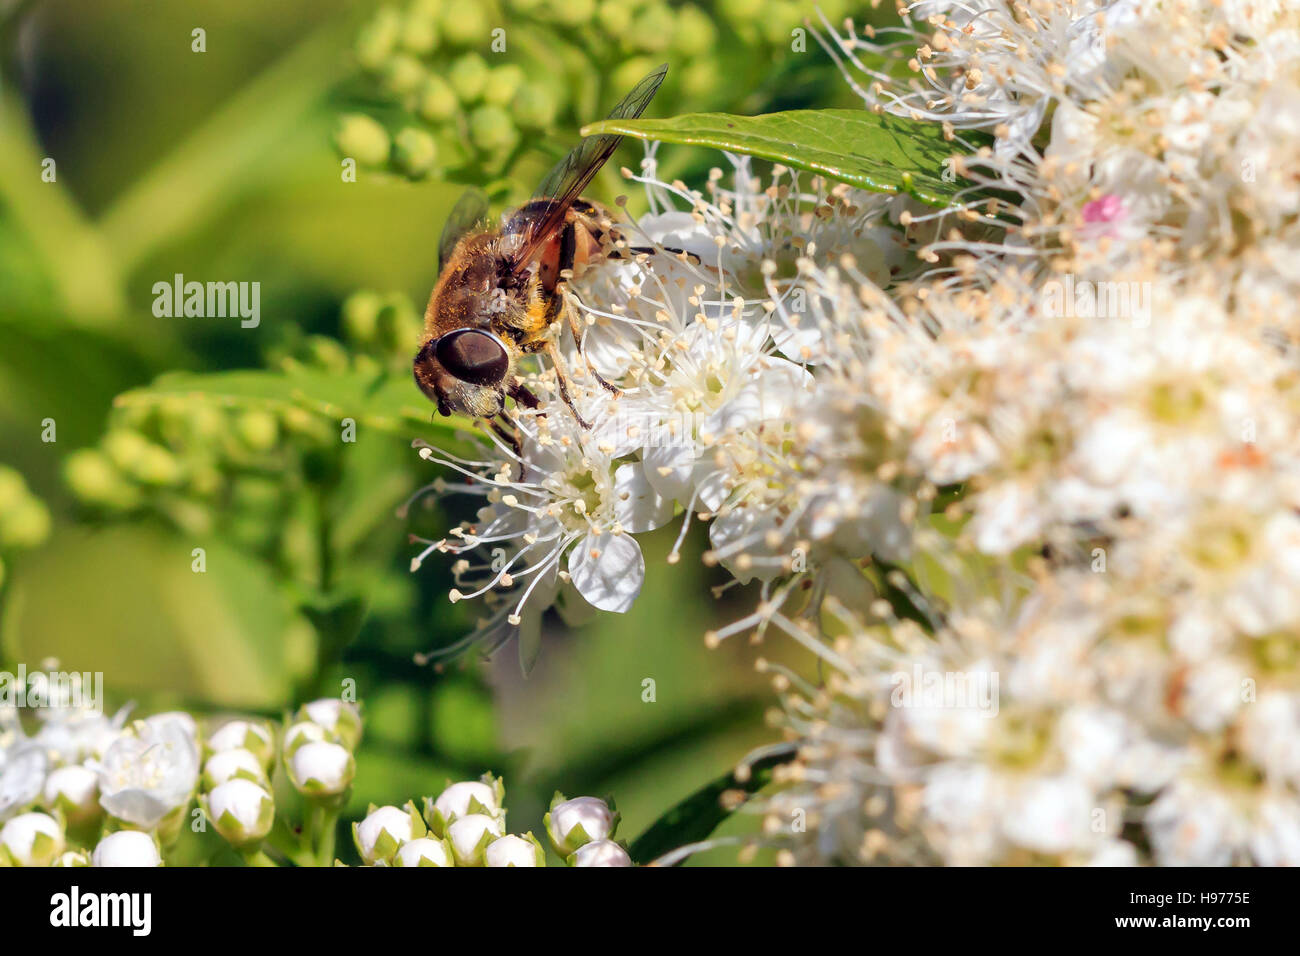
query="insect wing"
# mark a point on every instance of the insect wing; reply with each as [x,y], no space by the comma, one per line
[574,173]
[469,213]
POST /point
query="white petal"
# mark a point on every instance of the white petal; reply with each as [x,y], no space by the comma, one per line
[669,468]
[637,505]
[608,570]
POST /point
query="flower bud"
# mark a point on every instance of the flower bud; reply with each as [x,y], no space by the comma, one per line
[399,326]
[13,488]
[95,480]
[140,458]
[126,848]
[363,139]
[467,76]
[26,525]
[420,30]
[378,37]
[502,84]
[321,768]
[492,130]
[258,429]
[535,107]
[574,13]
[241,810]
[361,316]
[469,837]
[465,24]
[424,851]
[304,732]
[652,28]
[436,100]
[339,717]
[31,839]
[414,152]
[74,792]
[72,858]
[600,853]
[246,735]
[573,823]
[696,34]
[465,798]
[186,722]
[403,74]
[384,830]
[233,764]
[511,850]
[614,16]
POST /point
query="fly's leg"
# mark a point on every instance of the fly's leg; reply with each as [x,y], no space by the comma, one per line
[560,376]
[568,251]
[546,343]
[510,435]
[631,251]
[572,315]
[520,393]
[554,304]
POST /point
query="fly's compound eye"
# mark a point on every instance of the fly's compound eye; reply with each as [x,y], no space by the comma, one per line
[473,356]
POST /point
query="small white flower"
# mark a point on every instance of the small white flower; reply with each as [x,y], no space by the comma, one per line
[75,736]
[339,717]
[424,851]
[511,850]
[462,799]
[241,810]
[247,735]
[600,853]
[148,773]
[1050,815]
[126,848]
[304,732]
[573,823]
[470,835]
[321,768]
[22,774]
[74,792]
[186,721]
[1194,825]
[383,832]
[31,839]
[229,764]
[72,858]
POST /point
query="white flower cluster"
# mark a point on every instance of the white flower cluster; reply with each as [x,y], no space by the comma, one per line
[86,790]
[707,342]
[89,790]
[465,825]
[1022,474]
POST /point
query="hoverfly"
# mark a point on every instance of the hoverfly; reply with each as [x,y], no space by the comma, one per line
[500,289]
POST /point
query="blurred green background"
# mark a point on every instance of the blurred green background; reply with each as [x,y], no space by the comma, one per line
[226,165]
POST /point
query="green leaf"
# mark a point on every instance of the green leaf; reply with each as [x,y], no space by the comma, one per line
[337,620]
[700,814]
[380,400]
[147,621]
[879,152]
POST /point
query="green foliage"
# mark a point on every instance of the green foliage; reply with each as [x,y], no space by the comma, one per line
[695,818]
[872,151]
[499,86]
